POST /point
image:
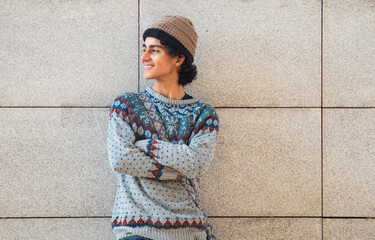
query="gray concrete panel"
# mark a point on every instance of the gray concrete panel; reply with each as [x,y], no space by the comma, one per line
[250,53]
[349,229]
[63,53]
[99,228]
[56,229]
[349,53]
[267,163]
[53,162]
[267,228]
[348,162]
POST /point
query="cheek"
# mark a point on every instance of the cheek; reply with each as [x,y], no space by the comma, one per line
[165,65]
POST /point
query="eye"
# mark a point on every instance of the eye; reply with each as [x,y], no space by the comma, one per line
[154,50]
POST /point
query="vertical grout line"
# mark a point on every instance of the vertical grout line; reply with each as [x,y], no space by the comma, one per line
[321,112]
[138,50]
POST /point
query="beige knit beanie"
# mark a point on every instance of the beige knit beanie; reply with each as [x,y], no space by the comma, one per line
[178,31]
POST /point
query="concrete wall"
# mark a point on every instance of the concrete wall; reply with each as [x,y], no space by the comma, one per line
[292,80]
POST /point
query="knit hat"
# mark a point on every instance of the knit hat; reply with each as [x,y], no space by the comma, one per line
[177,31]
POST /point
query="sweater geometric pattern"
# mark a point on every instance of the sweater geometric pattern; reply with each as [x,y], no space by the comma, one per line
[148,191]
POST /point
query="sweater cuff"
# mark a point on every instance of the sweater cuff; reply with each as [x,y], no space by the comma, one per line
[151,148]
[158,171]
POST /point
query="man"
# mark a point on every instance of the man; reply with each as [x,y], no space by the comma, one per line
[151,202]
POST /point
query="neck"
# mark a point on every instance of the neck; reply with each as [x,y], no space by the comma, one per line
[172,91]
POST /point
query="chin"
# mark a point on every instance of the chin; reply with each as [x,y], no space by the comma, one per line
[145,77]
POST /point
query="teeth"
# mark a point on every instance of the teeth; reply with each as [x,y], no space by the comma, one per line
[148,66]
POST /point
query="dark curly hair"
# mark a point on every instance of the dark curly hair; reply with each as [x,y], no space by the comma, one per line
[188,71]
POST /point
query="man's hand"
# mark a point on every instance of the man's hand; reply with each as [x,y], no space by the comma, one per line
[181,174]
[141,144]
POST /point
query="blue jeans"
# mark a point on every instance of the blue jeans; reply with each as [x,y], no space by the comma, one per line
[135,238]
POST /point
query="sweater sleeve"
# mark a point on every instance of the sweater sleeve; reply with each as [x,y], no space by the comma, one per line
[123,156]
[194,159]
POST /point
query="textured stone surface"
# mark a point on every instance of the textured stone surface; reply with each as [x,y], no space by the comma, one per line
[267,228]
[267,163]
[266,53]
[349,229]
[56,229]
[53,162]
[349,162]
[349,53]
[99,229]
[59,53]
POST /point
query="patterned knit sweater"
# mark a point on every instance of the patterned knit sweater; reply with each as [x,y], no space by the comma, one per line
[150,201]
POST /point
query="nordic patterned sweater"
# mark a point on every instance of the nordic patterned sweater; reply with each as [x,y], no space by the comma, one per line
[150,201]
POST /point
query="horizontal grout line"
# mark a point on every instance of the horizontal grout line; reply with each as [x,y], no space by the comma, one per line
[307,107]
[318,217]
[61,217]
[53,107]
[264,216]
[81,217]
[107,107]
[348,217]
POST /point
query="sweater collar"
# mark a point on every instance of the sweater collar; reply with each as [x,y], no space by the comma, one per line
[167,100]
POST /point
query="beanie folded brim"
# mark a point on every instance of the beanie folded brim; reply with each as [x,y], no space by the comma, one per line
[169,40]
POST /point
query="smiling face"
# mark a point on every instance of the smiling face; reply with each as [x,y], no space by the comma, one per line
[157,64]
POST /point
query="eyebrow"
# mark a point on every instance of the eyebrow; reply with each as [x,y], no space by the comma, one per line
[152,46]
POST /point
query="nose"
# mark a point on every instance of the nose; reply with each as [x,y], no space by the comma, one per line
[145,56]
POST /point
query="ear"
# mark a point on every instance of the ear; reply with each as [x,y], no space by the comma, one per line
[179,60]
